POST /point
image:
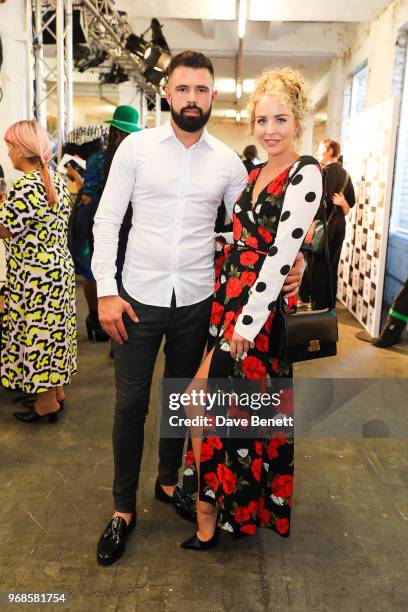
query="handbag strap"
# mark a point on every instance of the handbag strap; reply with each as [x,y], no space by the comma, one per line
[326,238]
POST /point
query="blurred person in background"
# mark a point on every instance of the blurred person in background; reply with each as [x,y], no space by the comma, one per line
[38,352]
[250,158]
[340,198]
[124,122]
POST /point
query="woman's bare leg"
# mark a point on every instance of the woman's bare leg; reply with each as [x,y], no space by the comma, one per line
[60,393]
[46,402]
[206,513]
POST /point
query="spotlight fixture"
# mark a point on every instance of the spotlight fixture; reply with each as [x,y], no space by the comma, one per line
[115,76]
[136,44]
[157,58]
[156,77]
[86,57]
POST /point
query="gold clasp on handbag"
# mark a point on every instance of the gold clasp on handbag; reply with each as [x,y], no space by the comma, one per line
[314,345]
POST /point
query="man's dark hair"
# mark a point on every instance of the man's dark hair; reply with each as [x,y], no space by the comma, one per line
[333,145]
[190,59]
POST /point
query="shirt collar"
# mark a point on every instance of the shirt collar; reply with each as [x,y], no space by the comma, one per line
[168,132]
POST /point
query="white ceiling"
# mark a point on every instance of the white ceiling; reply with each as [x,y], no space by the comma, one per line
[302,34]
[258,10]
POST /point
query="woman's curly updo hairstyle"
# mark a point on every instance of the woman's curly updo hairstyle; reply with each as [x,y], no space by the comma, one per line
[289,87]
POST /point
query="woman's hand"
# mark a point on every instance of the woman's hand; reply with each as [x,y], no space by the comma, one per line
[339,200]
[239,345]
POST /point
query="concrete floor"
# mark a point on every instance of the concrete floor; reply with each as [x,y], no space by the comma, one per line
[349,541]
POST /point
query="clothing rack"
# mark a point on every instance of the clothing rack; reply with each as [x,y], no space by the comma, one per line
[87,133]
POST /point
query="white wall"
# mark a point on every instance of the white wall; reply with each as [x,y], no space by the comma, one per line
[13,74]
[375,42]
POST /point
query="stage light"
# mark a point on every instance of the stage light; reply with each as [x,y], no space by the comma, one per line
[155,57]
[156,77]
[115,76]
[136,44]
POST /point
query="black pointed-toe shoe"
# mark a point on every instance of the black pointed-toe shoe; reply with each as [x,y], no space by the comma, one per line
[31,416]
[183,502]
[112,543]
[194,543]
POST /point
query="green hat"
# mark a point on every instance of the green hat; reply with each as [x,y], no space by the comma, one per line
[125,118]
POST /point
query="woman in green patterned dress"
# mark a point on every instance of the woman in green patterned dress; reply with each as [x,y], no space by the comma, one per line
[38,352]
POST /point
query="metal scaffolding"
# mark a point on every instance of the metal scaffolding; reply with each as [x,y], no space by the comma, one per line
[53,83]
[105,29]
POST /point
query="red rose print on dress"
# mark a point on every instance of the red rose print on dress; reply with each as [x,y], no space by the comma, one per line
[282,525]
[211,480]
[248,258]
[258,447]
[256,467]
[215,442]
[248,278]
[251,241]
[236,228]
[242,514]
[189,457]
[266,235]
[217,310]
[253,507]
[217,285]
[252,175]
[227,478]
[253,367]
[276,186]
[282,486]
[261,342]
[249,529]
[234,287]
[206,452]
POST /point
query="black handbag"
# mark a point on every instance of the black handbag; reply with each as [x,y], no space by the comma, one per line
[305,335]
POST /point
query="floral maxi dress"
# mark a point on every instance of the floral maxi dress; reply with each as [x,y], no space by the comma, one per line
[39,324]
[251,480]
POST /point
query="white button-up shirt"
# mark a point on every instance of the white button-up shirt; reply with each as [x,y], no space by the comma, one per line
[175,193]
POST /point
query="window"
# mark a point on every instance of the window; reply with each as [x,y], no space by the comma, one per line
[399,212]
[354,98]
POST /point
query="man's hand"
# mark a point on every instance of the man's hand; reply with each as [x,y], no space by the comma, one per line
[110,311]
[340,200]
[239,345]
[294,278]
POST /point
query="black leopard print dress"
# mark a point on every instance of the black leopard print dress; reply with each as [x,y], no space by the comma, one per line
[39,323]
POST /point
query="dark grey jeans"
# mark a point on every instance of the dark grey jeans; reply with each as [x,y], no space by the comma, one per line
[185,329]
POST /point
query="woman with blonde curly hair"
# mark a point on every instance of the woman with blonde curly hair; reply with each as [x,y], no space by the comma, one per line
[38,352]
[247,483]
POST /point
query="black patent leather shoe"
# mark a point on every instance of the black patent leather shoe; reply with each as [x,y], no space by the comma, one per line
[194,543]
[31,416]
[112,543]
[183,502]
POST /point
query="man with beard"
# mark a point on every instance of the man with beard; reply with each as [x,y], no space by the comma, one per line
[175,176]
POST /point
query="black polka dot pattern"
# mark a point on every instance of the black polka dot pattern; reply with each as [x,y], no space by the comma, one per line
[260,287]
[310,196]
[305,187]
[297,179]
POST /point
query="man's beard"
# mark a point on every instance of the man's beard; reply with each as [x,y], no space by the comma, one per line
[190,123]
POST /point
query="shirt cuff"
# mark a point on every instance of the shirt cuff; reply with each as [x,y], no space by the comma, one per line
[107,286]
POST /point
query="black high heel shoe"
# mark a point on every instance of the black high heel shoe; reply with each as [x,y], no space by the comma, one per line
[194,543]
[31,416]
[94,328]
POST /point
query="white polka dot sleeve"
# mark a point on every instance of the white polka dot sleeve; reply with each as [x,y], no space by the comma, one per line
[300,204]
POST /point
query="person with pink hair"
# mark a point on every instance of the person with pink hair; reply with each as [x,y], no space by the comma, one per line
[38,351]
